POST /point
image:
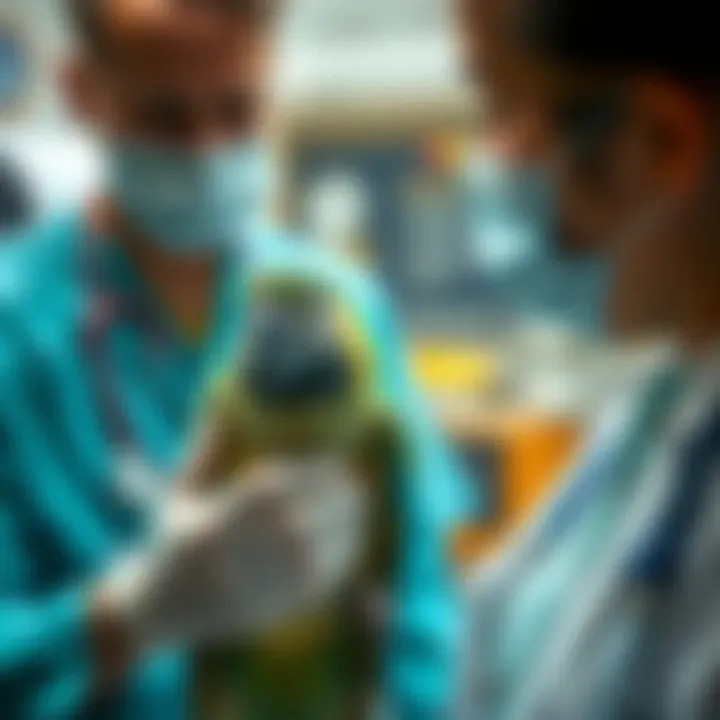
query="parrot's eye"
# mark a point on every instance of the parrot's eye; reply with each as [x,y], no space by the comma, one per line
[295,356]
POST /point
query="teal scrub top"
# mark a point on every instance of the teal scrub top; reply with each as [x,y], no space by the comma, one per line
[65,517]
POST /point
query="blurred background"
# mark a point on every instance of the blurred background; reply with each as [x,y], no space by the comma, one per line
[373,134]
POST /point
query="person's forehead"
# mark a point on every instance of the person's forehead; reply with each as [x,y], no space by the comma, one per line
[165,36]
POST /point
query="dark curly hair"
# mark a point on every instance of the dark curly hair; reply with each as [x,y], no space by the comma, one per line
[673,38]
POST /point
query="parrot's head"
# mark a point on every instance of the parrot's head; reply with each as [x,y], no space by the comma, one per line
[306,370]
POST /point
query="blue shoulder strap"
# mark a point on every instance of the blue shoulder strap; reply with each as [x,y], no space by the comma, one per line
[658,558]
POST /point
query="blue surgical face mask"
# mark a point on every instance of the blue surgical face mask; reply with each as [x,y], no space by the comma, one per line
[190,201]
[513,214]
[515,233]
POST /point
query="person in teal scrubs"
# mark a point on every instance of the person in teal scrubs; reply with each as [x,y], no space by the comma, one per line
[111,322]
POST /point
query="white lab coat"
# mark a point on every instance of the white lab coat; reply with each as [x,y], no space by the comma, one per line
[523,601]
[636,650]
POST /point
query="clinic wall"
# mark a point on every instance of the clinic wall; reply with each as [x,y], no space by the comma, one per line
[38,27]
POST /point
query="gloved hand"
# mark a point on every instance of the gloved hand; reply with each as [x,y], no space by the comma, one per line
[243,558]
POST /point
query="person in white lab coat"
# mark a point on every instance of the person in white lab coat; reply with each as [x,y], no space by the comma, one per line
[605,608]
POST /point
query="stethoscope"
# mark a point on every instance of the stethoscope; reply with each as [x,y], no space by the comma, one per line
[141,482]
[138,480]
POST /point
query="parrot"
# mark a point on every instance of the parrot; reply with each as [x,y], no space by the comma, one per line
[302,384]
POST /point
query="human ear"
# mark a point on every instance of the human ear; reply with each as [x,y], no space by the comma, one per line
[81,89]
[678,137]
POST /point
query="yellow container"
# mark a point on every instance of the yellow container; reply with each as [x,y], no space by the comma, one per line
[442,370]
